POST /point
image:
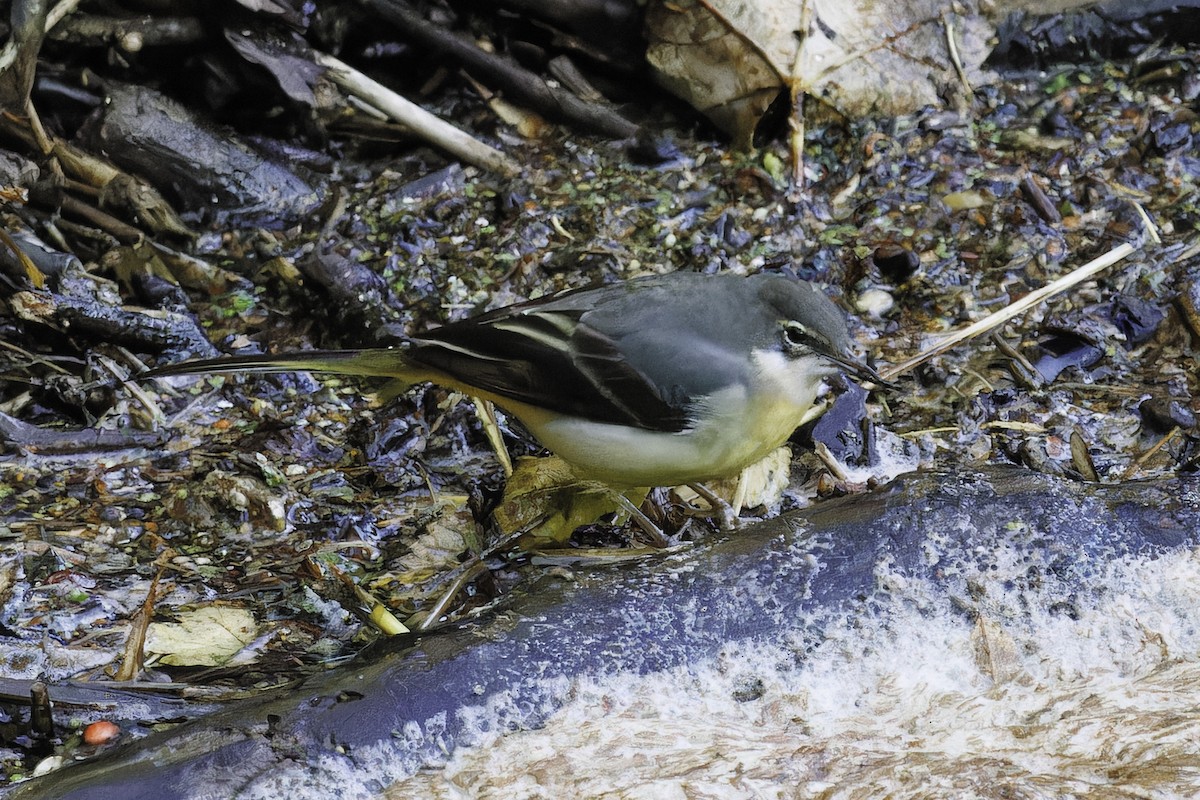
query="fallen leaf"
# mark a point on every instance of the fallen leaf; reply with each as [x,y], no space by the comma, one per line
[204,637]
[732,58]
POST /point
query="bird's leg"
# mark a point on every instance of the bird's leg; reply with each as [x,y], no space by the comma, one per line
[718,508]
[655,533]
[486,412]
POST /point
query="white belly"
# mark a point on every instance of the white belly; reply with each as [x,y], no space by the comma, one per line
[735,433]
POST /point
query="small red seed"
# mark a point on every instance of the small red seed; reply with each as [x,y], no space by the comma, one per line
[100,732]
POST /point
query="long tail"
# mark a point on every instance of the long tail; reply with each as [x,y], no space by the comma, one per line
[389,363]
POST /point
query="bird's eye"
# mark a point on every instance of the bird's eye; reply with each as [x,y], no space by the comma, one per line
[796,335]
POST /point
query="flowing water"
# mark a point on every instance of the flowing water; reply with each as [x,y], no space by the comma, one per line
[1029,699]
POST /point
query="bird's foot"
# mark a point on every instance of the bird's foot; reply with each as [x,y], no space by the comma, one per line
[719,510]
[653,532]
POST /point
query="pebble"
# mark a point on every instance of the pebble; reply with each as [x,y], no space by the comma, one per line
[875,303]
[100,732]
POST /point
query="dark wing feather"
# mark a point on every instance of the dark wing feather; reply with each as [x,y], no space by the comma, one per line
[546,357]
[627,390]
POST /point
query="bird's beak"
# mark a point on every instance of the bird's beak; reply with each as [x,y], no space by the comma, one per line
[860,371]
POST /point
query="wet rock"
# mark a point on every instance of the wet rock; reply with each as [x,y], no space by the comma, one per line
[1137,319]
[212,172]
[1064,350]
[895,262]
[844,427]
[875,303]
[1114,29]
[1163,415]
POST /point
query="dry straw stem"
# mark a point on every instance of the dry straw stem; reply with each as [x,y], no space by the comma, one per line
[427,126]
[992,321]
[952,47]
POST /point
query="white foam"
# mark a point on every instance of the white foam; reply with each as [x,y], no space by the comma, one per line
[1025,670]
[915,701]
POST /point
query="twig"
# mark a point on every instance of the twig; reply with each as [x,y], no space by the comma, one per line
[469,572]
[35,440]
[131,34]
[1136,466]
[121,231]
[133,658]
[41,711]
[1151,228]
[8,52]
[830,461]
[1025,373]
[796,118]
[1037,198]
[1027,302]
[519,84]
[527,123]
[60,12]
[33,359]
[40,137]
[653,532]
[135,389]
[952,46]
[424,124]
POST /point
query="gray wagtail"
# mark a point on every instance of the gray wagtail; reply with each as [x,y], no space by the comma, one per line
[657,381]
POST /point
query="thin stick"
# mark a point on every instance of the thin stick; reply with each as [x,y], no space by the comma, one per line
[469,572]
[952,46]
[796,118]
[1136,467]
[1151,228]
[427,126]
[8,53]
[652,531]
[134,653]
[60,12]
[1013,309]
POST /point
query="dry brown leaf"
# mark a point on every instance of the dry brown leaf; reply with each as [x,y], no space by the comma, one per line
[547,501]
[731,58]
